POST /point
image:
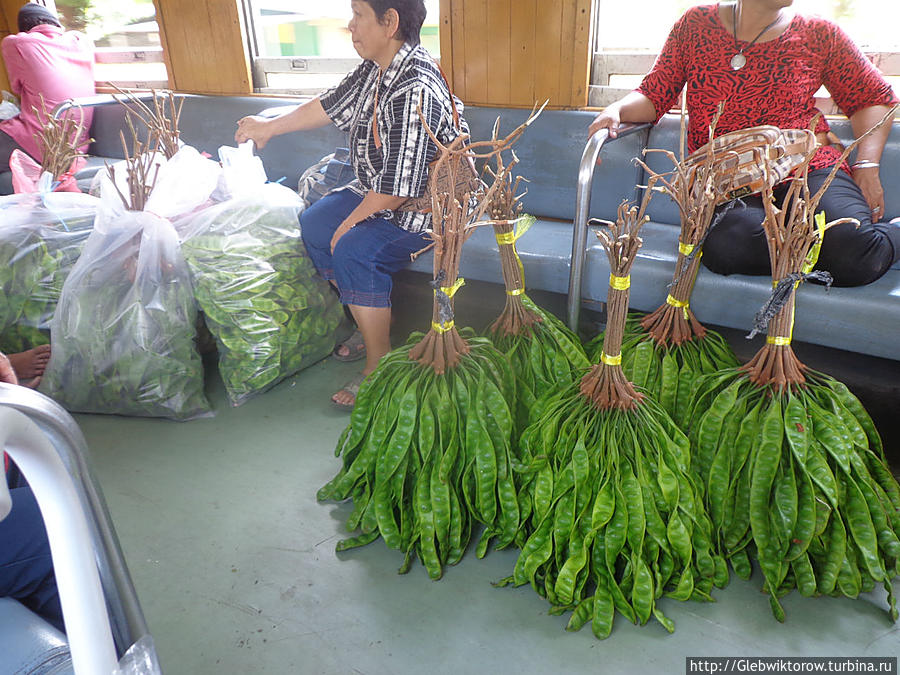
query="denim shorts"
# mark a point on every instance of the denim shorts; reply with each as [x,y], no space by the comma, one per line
[365,258]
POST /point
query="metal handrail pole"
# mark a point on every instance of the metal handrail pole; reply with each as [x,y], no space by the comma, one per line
[126,616]
[67,523]
[582,209]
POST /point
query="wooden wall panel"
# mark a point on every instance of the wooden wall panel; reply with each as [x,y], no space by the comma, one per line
[204,45]
[517,52]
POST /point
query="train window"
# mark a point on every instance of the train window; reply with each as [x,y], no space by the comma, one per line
[625,46]
[303,46]
[126,38]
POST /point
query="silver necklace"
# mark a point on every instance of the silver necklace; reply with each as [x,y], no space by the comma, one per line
[738,61]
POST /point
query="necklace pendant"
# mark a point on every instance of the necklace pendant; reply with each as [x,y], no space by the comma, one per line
[738,61]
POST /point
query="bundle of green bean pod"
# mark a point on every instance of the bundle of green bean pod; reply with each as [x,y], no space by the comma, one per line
[615,519]
[543,352]
[41,237]
[793,468]
[429,452]
[428,455]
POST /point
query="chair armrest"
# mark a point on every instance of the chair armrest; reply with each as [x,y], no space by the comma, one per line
[582,208]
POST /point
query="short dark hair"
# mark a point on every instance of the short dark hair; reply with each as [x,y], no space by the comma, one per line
[33,14]
[411,13]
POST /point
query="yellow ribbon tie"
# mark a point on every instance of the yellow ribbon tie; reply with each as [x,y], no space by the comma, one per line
[611,360]
[450,291]
[443,328]
[685,249]
[516,291]
[678,303]
[619,283]
[779,341]
[813,256]
[523,224]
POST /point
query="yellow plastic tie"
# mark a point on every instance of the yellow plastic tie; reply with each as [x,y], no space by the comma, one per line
[516,291]
[619,283]
[450,291]
[813,256]
[611,360]
[779,341]
[506,238]
[678,303]
[685,249]
[523,224]
[443,328]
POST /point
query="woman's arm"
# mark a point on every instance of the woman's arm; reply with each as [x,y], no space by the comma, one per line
[633,107]
[309,115]
[868,153]
[373,202]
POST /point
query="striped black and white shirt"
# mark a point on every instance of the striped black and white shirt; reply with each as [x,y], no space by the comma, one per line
[400,166]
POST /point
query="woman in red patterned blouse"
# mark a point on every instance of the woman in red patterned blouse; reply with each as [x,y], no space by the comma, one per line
[767,63]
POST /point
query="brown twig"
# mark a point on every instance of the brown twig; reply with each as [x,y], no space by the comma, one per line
[791,232]
[605,385]
[58,140]
[453,223]
[139,163]
[162,123]
[695,187]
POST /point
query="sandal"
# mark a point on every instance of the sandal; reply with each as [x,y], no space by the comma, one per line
[356,348]
[352,386]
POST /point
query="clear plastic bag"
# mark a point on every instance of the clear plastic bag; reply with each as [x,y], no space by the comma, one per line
[123,332]
[9,106]
[41,237]
[268,309]
[140,659]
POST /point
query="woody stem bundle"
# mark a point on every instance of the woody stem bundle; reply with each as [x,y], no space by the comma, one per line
[58,141]
[792,232]
[606,385]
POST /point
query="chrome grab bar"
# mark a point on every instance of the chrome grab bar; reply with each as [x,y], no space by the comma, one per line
[102,99]
[80,593]
[582,208]
[126,618]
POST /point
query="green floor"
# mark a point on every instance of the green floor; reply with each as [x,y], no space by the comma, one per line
[234,563]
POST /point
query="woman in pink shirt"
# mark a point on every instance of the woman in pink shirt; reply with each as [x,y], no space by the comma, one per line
[42,59]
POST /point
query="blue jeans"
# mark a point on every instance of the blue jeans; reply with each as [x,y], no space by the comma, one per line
[365,258]
[26,568]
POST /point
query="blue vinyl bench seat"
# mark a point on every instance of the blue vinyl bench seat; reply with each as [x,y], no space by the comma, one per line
[863,320]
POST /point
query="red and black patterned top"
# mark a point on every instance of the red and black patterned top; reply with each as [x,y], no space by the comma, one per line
[776,86]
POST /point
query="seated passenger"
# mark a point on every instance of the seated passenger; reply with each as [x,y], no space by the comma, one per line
[766,63]
[42,59]
[26,568]
[358,236]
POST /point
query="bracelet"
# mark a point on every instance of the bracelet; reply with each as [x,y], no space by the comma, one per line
[865,164]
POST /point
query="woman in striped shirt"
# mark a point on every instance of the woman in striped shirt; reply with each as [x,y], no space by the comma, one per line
[359,235]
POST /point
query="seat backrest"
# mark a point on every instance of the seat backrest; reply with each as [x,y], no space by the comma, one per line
[28,644]
[549,155]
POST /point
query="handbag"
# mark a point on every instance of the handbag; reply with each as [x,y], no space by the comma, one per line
[742,158]
[440,176]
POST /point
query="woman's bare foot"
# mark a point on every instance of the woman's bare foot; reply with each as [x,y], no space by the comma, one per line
[30,364]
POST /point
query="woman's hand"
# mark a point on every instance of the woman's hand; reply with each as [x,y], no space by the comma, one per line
[253,128]
[342,229]
[869,183]
[608,119]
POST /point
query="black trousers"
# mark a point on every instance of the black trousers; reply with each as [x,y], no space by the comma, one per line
[7,145]
[854,256]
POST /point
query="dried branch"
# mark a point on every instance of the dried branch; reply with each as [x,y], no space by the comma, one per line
[59,140]
[161,120]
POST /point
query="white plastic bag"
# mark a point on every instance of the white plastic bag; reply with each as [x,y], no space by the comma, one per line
[9,107]
[123,333]
[268,309]
[41,237]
